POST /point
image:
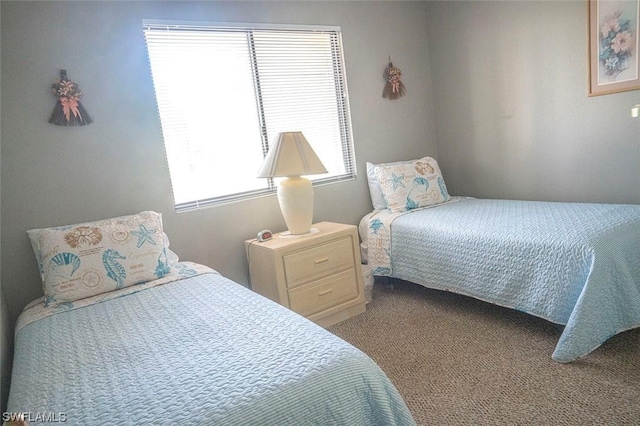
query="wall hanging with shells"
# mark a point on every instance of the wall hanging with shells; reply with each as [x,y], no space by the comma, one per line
[393,88]
[68,110]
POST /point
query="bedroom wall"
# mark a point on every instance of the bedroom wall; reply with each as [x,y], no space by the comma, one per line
[55,175]
[513,117]
[6,345]
[6,336]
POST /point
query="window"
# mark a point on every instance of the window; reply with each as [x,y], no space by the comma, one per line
[225,91]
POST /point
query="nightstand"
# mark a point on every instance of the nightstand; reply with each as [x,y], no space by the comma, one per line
[317,275]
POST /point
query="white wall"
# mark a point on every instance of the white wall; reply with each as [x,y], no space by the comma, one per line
[512,113]
[55,175]
[6,340]
[6,351]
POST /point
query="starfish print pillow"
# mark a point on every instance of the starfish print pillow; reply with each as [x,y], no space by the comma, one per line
[82,260]
[411,184]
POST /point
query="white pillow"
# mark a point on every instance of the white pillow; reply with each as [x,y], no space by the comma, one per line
[411,184]
[377,199]
[86,259]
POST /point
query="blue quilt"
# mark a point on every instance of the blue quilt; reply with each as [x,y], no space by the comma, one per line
[574,264]
[197,351]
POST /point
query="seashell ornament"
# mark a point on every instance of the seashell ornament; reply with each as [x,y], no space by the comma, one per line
[68,110]
[393,88]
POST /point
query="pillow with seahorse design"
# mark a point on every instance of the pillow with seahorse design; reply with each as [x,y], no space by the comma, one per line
[412,184]
[86,259]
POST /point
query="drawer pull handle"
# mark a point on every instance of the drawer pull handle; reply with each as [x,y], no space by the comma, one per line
[322,260]
[323,292]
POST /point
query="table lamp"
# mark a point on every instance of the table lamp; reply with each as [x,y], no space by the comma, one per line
[291,156]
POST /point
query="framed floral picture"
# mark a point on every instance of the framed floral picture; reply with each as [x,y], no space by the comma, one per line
[614,64]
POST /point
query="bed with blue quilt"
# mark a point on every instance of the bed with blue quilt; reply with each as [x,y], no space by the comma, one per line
[189,347]
[574,264]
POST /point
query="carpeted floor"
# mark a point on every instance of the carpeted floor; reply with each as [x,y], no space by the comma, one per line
[457,360]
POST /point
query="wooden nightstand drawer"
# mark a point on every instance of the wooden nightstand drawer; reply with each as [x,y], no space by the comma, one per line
[319,261]
[325,293]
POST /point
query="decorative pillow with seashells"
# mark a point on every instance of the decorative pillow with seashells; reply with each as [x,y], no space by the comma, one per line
[411,184]
[83,260]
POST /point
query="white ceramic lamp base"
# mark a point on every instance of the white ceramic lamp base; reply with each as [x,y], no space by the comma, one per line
[295,195]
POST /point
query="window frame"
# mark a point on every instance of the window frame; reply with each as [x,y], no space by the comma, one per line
[342,103]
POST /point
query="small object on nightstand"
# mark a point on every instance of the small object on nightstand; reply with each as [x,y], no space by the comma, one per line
[318,276]
[264,235]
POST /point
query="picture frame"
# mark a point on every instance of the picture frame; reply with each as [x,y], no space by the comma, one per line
[614,48]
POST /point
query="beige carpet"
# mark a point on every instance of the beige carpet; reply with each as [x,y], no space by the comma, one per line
[457,360]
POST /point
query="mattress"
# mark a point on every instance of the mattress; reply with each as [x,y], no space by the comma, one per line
[200,350]
[363,230]
[574,264]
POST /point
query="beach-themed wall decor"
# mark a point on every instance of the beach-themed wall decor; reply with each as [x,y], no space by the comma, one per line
[68,111]
[393,88]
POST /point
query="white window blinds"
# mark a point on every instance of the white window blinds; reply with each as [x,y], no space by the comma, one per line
[224,93]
